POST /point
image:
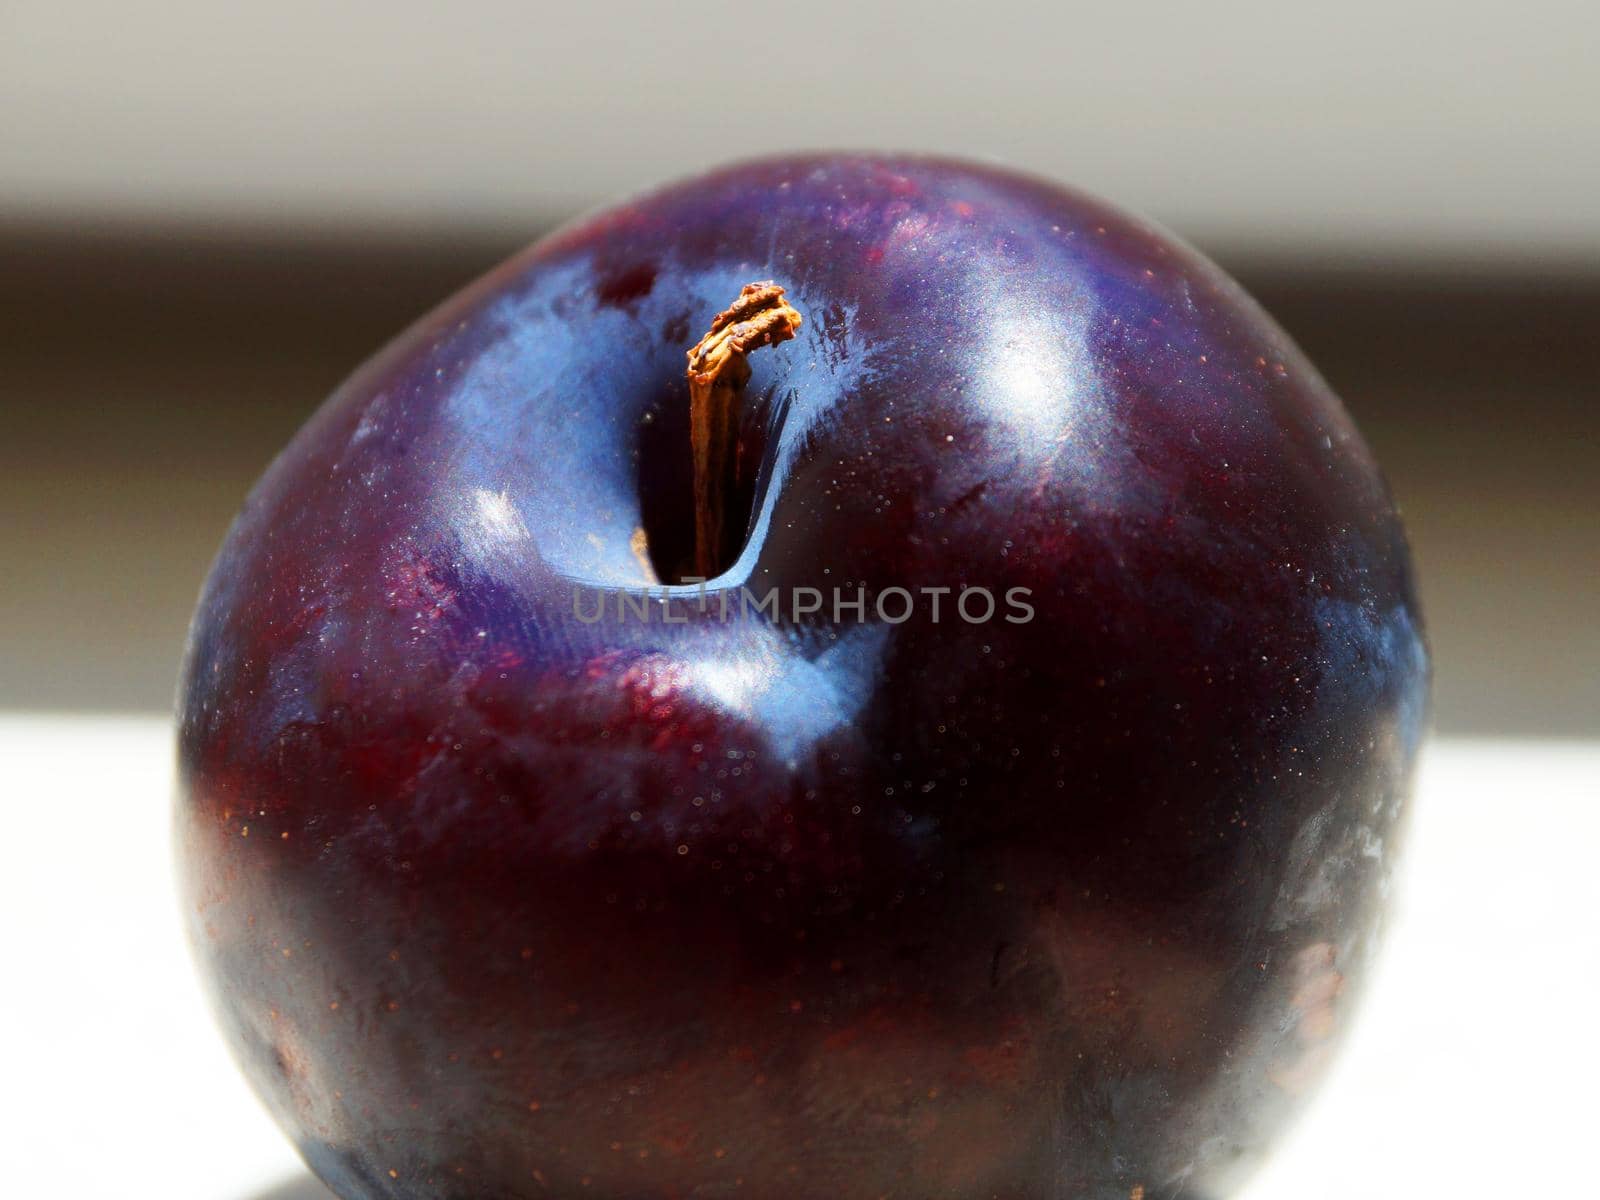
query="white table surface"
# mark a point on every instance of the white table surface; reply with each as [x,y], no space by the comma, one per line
[1473,1071]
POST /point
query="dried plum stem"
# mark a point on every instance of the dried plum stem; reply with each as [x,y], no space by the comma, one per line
[718,372]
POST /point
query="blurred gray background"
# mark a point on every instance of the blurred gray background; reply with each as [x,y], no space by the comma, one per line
[208,215]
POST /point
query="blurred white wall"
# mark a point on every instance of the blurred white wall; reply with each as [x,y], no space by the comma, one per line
[1435,125]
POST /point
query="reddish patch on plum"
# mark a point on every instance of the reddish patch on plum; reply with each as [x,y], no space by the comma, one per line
[626,287]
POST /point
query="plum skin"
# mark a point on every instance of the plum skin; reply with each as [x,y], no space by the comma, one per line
[494,903]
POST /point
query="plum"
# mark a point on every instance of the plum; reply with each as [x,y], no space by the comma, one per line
[949,742]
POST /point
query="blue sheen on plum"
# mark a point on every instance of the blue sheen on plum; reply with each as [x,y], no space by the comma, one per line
[492,899]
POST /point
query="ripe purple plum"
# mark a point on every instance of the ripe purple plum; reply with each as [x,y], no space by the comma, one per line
[1007,812]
